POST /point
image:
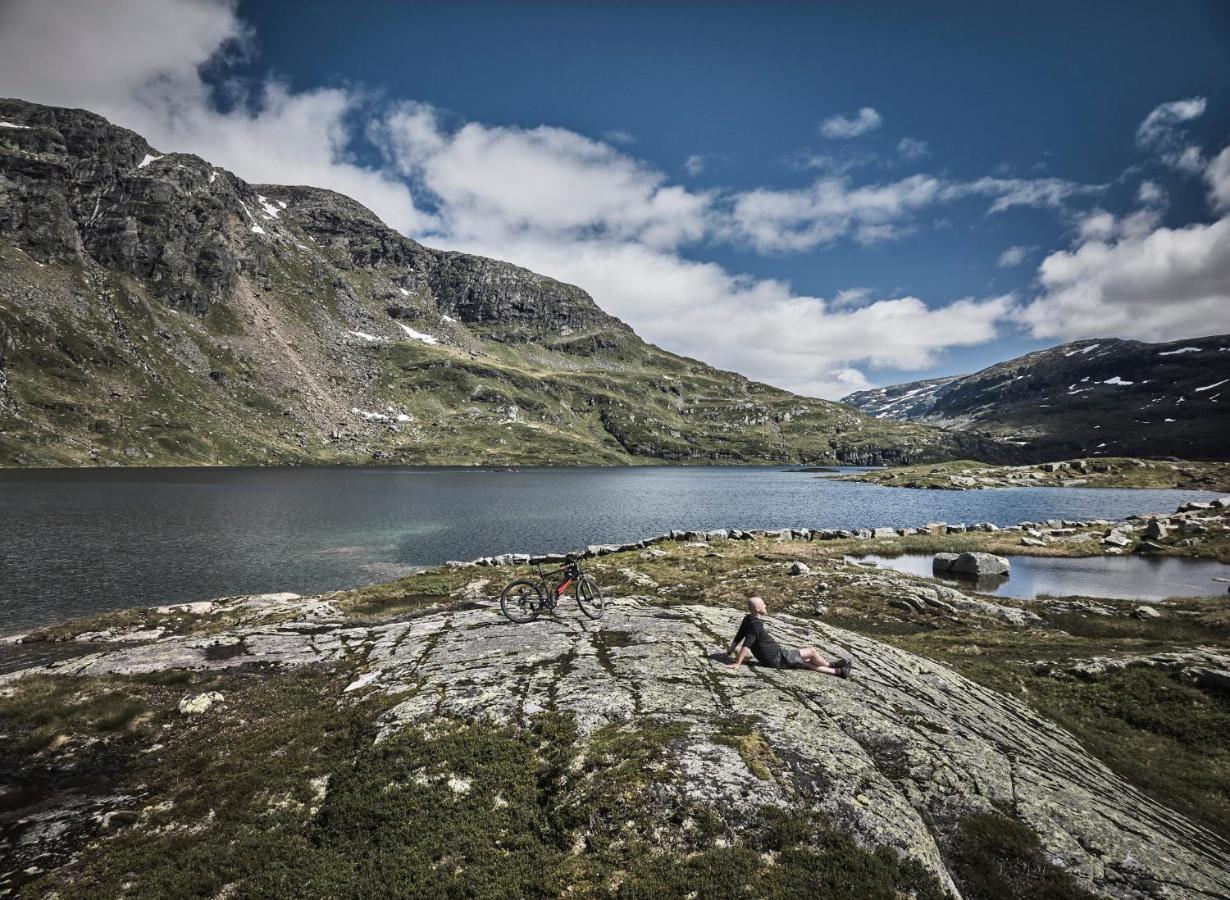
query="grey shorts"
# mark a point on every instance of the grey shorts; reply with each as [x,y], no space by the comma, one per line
[791,659]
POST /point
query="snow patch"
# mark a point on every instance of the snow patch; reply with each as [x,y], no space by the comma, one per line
[1083,350]
[270,210]
[1209,387]
[448,319]
[149,158]
[213,176]
[417,335]
[404,292]
[363,335]
[1168,420]
[1117,381]
[370,416]
[256,229]
[1180,350]
[13,125]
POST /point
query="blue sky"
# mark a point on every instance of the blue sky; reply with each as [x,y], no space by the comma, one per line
[674,159]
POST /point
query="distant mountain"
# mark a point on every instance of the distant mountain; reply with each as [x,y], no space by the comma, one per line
[156,309]
[1097,397]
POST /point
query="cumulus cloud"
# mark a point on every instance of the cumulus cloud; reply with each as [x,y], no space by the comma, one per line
[794,220]
[1150,194]
[494,181]
[867,119]
[1013,256]
[138,62]
[694,164]
[1218,176]
[909,148]
[1134,279]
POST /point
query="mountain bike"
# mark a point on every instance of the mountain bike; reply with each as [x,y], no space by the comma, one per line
[524,599]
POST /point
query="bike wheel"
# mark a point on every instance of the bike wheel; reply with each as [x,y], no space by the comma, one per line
[521,601]
[589,597]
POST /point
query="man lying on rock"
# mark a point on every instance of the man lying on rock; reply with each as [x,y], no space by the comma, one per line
[757,641]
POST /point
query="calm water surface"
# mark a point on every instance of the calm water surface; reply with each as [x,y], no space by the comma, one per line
[79,541]
[1147,578]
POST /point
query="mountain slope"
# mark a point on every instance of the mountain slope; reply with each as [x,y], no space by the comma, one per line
[1097,397]
[155,309]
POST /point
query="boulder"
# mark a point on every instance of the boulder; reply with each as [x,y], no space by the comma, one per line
[980,564]
[884,532]
[1117,539]
[1146,612]
[943,562]
[1155,530]
[798,568]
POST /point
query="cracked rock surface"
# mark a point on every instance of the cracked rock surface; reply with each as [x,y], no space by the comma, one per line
[895,754]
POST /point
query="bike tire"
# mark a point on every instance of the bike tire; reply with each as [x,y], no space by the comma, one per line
[521,601]
[589,597]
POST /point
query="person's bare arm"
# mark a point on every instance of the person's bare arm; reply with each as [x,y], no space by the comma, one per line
[743,654]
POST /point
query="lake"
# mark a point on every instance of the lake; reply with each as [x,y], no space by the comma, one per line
[79,541]
[1145,578]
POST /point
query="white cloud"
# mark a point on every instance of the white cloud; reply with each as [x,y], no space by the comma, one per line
[1037,192]
[1161,133]
[1151,194]
[694,164]
[1013,256]
[909,148]
[1136,281]
[138,63]
[619,136]
[794,220]
[866,120]
[1158,130]
[494,181]
[1218,177]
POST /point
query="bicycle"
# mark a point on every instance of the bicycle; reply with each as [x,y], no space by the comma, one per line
[524,599]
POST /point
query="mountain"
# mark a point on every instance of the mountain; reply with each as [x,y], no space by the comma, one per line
[156,309]
[1097,397]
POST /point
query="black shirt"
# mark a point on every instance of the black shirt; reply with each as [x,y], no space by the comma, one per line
[760,642]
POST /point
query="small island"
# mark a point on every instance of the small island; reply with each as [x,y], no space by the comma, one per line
[1095,472]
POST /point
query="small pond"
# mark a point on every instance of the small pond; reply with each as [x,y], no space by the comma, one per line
[1144,578]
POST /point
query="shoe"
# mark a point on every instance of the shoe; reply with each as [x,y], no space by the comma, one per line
[845,668]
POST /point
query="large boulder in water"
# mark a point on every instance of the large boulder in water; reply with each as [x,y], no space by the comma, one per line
[943,562]
[980,564]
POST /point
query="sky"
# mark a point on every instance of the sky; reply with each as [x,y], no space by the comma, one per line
[825,197]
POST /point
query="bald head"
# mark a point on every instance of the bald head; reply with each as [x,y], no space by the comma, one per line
[756,606]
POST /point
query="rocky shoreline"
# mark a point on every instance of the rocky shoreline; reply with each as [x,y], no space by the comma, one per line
[1139,533]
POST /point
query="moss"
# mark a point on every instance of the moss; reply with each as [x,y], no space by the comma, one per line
[740,733]
[996,857]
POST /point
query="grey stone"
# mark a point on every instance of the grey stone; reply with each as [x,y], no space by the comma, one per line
[980,564]
[943,562]
[798,568]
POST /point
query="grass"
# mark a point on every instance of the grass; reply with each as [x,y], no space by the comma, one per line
[996,857]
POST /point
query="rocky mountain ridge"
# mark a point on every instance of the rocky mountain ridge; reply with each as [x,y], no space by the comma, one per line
[1095,397]
[156,309]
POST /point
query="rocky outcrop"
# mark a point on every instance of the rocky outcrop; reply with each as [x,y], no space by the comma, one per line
[893,755]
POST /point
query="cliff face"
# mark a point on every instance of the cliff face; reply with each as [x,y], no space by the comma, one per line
[1097,397]
[157,309]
